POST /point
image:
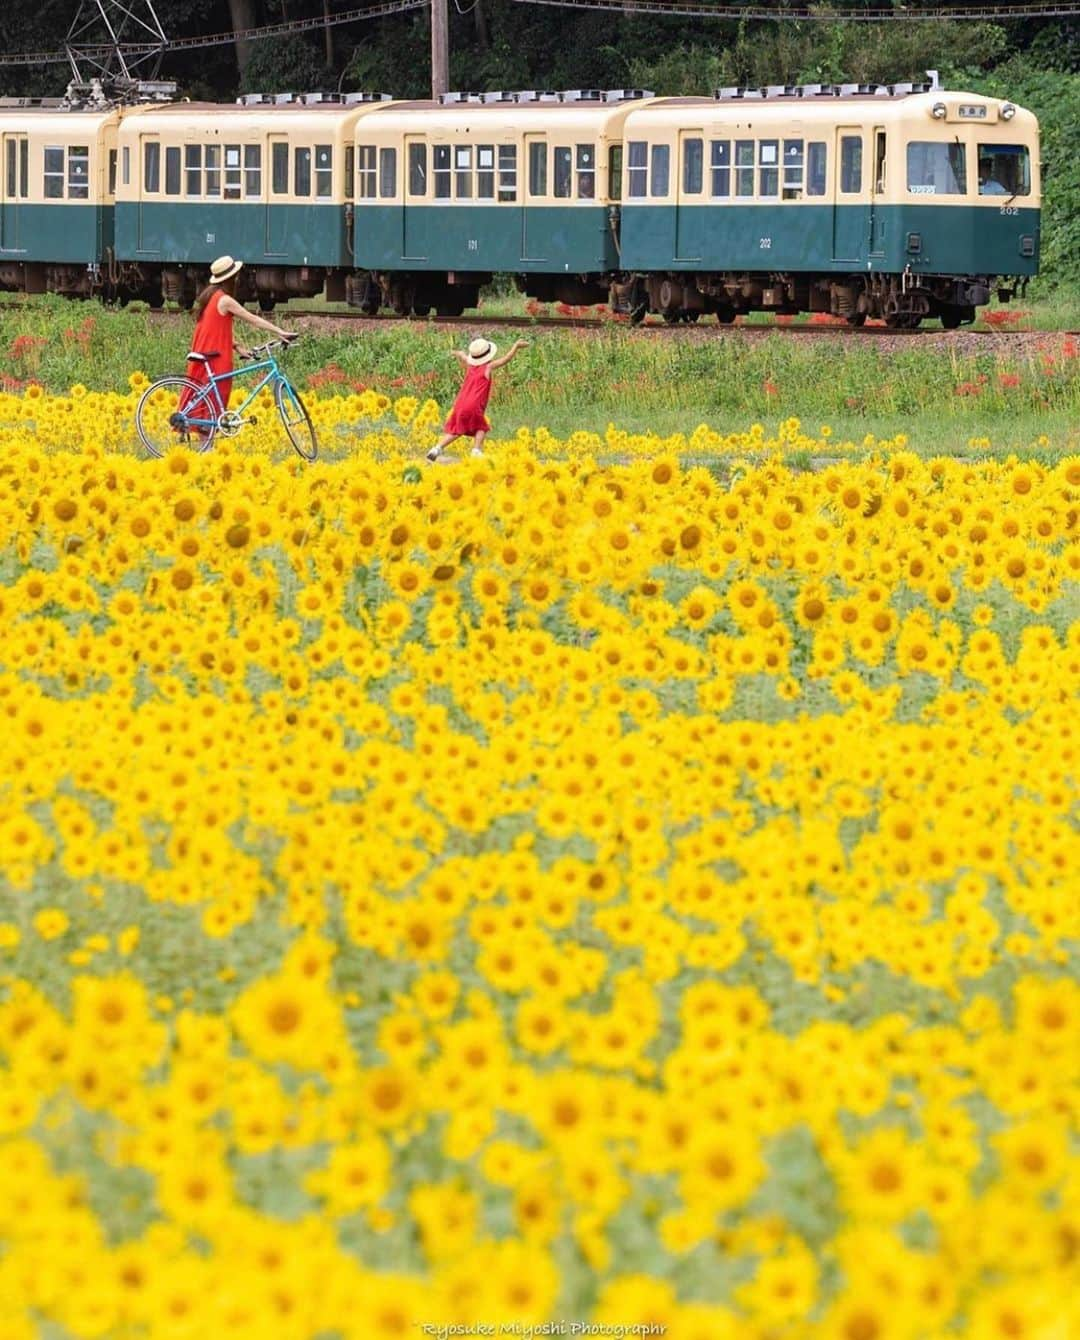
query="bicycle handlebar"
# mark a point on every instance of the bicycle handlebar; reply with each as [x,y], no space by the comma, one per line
[261,350]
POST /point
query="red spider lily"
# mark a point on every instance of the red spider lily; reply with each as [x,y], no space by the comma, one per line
[1006,380]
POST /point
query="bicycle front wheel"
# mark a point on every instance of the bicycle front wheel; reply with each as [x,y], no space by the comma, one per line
[162,425]
[296,419]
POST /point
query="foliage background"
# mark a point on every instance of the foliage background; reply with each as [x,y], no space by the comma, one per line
[506,44]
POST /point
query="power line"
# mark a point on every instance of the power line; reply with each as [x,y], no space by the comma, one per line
[688,9]
[130,49]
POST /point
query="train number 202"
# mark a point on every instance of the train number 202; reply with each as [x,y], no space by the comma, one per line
[765,243]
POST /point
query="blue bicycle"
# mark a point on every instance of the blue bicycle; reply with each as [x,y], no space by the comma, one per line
[176,411]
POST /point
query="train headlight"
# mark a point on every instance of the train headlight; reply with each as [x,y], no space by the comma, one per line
[938,111]
[1008,111]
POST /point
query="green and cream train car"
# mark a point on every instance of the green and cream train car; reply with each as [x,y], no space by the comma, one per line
[449,193]
[900,202]
[57,192]
[269,180]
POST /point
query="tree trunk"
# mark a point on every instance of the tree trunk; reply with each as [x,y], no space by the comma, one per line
[242,14]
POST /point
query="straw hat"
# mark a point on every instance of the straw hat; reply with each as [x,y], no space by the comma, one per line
[481,351]
[224,268]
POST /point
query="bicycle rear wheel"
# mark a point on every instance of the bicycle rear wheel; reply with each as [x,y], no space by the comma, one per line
[296,420]
[160,423]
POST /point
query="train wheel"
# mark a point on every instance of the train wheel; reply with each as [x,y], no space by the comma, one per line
[857,319]
[638,313]
[691,317]
[951,319]
[267,304]
[449,308]
[671,318]
[725,315]
[421,309]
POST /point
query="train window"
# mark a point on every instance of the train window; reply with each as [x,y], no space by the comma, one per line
[586,171]
[365,172]
[54,173]
[112,171]
[233,172]
[172,170]
[538,169]
[769,168]
[720,167]
[562,173]
[816,165]
[659,169]
[18,167]
[440,169]
[463,171]
[151,167]
[125,165]
[879,162]
[1004,169]
[794,162]
[637,169]
[253,170]
[301,172]
[79,172]
[485,172]
[744,168]
[279,169]
[936,169]
[693,166]
[614,168]
[507,172]
[212,162]
[24,168]
[418,169]
[193,169]
[388,173]
[850,164]
[324,171]
[12,171]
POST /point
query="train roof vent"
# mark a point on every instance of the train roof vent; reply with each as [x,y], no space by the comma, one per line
[817,90]
[318,99]
[254,99]
[283,99]
[864,91]
[732,94]
[351,99]
[582,95]
[31,102]
[904,90]
[455,98]
[537,95]
[627,94]
[500,95]
[783,91]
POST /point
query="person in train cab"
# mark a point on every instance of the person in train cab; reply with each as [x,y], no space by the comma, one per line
[215,310]
[988,183]
[467,413]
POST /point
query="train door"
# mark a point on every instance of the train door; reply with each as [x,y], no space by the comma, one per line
[851,208]
[535,185]
[689,216]
[148,181]
[14,186]
[277,198]
[877,195]
[414,200]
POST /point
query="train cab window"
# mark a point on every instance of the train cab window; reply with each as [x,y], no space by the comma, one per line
[507,172]
[388,173]
[463,171]
[279,169]
[302,172]
[720,169]
[79,172]
[418,169]
[54,173]
[324,171]
[193,169]
[253,170]
[794,164]
[1004,169]
[693,166]
[125,165]
[879,162]
[744,168]
[538,169]
[112,171]
[440,169]
[850,164]
[172,170]
[637,169]
[212,161]
[769,168]
[816,166]
[934,168]
[614,171]
[365,172]
[18,162]
[485,172]
[151,167]
[585,158]
[659,169]
[561,173]
[233,172]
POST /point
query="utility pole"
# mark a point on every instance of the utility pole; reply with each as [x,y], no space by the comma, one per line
[440,59]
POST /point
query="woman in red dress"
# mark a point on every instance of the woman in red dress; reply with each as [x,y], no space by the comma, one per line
[467,413]
[215,309]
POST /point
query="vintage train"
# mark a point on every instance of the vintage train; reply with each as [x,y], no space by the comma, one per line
[902,201]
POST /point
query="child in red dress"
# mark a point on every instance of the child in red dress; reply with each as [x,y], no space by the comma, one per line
[467,414]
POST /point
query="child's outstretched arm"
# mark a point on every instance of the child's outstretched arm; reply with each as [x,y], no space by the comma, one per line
[460,357]
[500,362]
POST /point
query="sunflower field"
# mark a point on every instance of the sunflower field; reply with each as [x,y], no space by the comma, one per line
[618,886]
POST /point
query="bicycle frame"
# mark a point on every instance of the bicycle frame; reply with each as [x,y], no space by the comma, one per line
[273,374]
